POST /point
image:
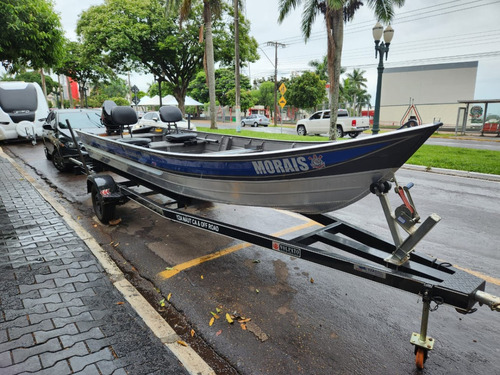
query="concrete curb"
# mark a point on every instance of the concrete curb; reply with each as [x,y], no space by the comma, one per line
[192,362]
[453,172]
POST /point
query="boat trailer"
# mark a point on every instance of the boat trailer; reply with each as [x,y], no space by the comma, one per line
[366,254]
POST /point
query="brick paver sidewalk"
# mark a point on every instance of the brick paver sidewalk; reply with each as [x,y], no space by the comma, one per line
[59,313]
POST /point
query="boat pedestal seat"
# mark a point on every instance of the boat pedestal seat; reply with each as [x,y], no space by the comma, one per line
[143,142]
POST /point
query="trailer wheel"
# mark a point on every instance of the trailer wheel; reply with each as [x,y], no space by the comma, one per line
[104,212]
[420,357]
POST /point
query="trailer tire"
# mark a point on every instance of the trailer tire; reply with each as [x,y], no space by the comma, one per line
[104,212]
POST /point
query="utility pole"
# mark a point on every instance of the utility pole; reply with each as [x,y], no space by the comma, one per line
[276,45]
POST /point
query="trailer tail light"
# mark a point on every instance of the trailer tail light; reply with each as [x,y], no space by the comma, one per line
[353,123]
[105,192]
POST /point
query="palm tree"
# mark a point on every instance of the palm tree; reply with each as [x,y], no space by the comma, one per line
[210,8]
[358,82]
[357,78]
[320,68]
[335,12]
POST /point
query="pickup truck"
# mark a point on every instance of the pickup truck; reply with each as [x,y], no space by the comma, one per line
[319,123]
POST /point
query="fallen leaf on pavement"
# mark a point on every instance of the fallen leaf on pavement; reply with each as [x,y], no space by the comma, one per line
[215,315]
[120,303]
[169,296]
[312,280]
[228,318]
[218,332]
[211,321]
[115,222]
[180,342]
[192,333]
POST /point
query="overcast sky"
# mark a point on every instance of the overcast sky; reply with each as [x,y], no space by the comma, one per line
[426,32]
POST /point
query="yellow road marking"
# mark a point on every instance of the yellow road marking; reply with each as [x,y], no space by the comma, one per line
[205,258]
[489,279]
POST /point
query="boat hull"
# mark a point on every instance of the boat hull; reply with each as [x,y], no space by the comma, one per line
[307,178]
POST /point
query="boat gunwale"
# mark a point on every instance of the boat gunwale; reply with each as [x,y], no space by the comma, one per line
[315,146]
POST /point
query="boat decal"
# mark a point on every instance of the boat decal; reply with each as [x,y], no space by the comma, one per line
[316,162]
[197,222]
[287,249]
[285,165]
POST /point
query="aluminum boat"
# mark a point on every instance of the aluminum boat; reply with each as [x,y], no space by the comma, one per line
[305,177]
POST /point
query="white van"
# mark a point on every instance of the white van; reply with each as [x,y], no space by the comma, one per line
[23,109]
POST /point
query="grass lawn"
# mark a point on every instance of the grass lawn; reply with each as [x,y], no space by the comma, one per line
[464,159]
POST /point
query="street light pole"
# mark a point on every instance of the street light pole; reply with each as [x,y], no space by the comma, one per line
[381,49]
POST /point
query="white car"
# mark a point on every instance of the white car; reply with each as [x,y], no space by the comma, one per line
[319,123]
[153,119]
[255,120]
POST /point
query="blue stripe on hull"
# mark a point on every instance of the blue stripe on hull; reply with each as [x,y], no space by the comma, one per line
[260,166]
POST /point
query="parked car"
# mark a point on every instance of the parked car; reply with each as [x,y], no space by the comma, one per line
[255,120]
[152,119]
[58,142]
[319,123]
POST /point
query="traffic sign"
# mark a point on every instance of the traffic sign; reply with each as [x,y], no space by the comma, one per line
[282,102]
[134,89]
[135,100]
[282,89]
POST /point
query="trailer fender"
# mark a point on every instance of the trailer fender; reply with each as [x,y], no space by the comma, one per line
[101,182]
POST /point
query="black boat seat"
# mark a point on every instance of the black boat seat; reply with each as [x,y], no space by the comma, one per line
[143,142]
[180,137]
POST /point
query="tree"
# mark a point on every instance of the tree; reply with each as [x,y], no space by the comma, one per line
[356,94]
[115,90]
[224,83]
[34,77]
[335,12]
[32,35]
[246,99]
[306,91]
[266,94]
[320,68]
[211,8]
[82,67]
[136,35]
